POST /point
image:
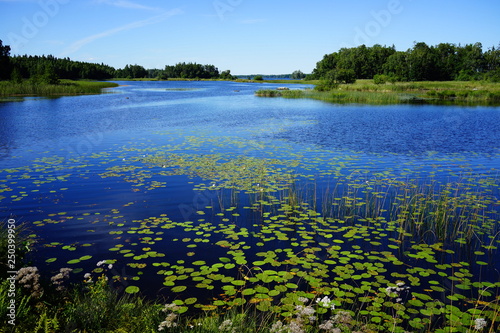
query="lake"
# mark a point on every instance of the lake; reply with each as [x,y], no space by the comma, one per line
[200,190]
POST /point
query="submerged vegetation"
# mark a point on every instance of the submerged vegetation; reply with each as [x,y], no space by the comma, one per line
[297,244]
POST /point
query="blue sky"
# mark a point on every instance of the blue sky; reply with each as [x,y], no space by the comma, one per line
[245,36]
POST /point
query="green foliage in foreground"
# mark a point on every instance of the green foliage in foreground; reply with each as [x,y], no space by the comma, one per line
[380,92]
[95,307]
[65,87]
[51,305]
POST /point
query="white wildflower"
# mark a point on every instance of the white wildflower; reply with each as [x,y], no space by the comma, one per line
[326,303]
[168,322]
[295,327]
[304,311]
[342,317]
[326,325]
[480,323]
[227,326]
[170,307]
[162,326]
[278,327]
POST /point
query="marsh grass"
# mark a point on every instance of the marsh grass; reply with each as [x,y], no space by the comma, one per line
[452,212]
[367,92]
[66,87]
[23,239]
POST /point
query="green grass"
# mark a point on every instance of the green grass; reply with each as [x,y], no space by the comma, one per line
[95,307]
[66,87]
[367,92]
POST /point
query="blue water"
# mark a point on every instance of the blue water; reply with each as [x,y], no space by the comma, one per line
[90,134]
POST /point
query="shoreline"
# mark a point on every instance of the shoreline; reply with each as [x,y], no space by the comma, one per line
[469,93]
[65,88]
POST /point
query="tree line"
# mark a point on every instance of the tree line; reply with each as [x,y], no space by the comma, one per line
[49,69]
[443,62]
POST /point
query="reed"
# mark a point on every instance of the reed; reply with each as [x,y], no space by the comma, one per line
[451,212]
[66,87]
[367,92]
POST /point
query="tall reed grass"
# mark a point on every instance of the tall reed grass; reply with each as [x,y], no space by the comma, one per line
[66,87]
[367,92]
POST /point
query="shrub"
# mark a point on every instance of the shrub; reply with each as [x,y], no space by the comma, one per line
[380,79]
[346,76]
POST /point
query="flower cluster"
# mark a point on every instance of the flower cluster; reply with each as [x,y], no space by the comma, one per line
[341,321]
[306,315]
[278,327]
[59,278]
[88,276]
[479,324]
[171,317]
[227,326]
[29,278]
[334,324]
[397,291]
[326,303]
[103,262]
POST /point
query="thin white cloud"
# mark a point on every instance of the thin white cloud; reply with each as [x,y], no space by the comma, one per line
[134,25]
[126,4]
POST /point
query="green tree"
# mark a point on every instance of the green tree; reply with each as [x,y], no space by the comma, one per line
[16,76]
[421,62]
[346,76]
[492,64]
[471,62]
[328,81]
[325,65]
[446,61]
[297,75]
[5,64]
[49,76]
[226,75]
[191,71]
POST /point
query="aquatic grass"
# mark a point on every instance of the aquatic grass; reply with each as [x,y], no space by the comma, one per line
[23,239]
[367,92]
[340,96]
[280,233]
[23,308]
[66,87]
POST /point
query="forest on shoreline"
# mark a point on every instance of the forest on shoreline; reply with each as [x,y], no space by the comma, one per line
[443,62]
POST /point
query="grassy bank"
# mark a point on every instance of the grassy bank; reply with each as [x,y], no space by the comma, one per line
[66,87]
[366,91]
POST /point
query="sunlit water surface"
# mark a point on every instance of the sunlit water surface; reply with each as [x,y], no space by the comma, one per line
[170,178]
